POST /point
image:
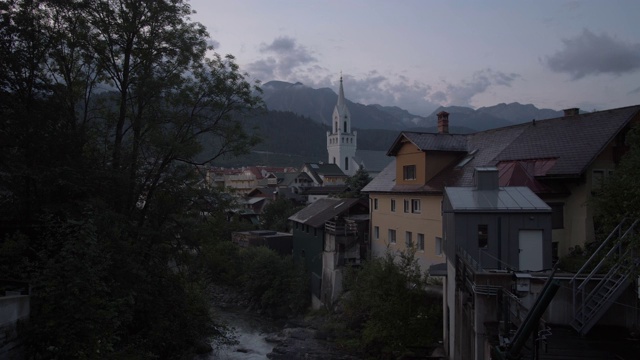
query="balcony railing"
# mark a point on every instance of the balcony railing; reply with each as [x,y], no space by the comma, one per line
[344,228]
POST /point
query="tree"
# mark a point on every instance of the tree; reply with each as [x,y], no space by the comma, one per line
[619,196]
[107,108]
[356,182]
[388,308]
[275,215]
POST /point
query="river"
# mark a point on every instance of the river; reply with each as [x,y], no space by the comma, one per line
[250,332]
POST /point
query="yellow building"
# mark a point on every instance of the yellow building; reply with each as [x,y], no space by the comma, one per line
[562,160]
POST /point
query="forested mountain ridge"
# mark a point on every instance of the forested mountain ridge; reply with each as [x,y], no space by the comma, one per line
[318,104]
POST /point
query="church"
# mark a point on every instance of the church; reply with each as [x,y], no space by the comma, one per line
[342,143]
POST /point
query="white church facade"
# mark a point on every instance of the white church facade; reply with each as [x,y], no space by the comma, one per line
[342,143]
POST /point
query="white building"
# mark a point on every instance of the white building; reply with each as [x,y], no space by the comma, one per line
[342,143]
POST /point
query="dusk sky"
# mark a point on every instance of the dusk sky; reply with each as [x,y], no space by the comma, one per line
[419,54]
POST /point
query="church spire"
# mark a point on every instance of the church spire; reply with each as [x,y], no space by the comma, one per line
[341,102]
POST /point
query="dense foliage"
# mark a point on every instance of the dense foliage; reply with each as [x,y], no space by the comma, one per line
[387,310]
[107,107]
[275,215]
[356,183]
[619,196]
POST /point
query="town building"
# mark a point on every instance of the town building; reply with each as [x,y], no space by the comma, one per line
[562,160]
[342,143]
[329,234]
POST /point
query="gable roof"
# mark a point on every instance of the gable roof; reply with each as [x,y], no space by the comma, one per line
[319,170]
[429,141]
[323,210]
[569,144]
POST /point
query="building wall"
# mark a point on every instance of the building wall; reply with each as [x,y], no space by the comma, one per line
[577,212]
[409,154]
[427,222]
[307,246]
[502,251]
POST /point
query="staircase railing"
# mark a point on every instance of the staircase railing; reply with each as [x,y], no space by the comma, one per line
[590,304]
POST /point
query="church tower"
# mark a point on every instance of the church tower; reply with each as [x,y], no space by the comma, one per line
[342,141]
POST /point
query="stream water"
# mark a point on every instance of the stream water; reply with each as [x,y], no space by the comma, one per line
[250,332]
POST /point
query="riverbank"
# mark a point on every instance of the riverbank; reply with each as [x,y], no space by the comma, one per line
[260,337]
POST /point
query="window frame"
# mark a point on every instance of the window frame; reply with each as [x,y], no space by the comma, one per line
[406,206]
[483,236]
[420,242]
[393,205]
[409,172]
[408,239]
[376,233]
[416,207]
[392,236]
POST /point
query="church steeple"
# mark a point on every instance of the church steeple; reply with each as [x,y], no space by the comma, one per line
[342,140]
[341,102]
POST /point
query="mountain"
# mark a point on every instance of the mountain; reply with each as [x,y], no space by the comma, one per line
[318,104]
[519,113]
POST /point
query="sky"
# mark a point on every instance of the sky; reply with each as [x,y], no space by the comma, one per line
[421,54]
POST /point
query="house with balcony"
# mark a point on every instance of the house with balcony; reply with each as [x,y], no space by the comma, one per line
[562,160]
[328,235]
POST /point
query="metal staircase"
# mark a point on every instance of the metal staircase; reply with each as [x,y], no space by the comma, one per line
[594,294]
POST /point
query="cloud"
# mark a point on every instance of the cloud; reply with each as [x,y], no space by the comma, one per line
[461,94]
[284,58]
[592,54]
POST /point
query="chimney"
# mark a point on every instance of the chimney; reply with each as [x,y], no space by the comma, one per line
[443,122]
[571,112]
[486,178]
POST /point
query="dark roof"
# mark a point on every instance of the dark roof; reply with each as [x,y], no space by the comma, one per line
[574,140]
[317,170]
[325,190]
[503,199]
[430,141]
[318,213]
[568,145]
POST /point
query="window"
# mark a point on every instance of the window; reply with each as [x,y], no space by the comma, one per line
[415,206]
[375,204]
[599,177]
[420,242]
[409,172]
[346,164]
[406,206]
[483,236]
[334,159]
[376,232]
[393,205]
[392,236]
[438,245]
[345,126]
[557,215]
[408,239]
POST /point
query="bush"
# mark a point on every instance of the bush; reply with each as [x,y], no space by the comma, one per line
[276,283]
[388,308]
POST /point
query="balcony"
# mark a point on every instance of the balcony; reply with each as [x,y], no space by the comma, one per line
[341,228]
